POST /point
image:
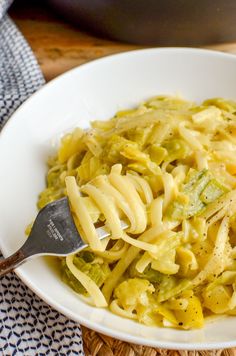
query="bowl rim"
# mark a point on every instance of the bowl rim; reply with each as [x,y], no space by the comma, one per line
[54,304]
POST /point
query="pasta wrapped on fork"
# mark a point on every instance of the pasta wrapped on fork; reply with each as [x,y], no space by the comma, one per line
[168,170]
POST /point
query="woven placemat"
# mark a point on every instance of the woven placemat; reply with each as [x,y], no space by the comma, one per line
[96,344]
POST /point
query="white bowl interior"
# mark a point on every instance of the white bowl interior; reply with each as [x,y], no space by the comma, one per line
[96,91]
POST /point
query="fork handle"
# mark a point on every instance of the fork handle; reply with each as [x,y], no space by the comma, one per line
[11,262]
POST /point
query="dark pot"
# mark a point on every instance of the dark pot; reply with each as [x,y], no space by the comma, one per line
[155,22]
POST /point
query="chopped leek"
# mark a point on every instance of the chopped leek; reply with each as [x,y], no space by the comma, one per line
[167,168]
[84,262]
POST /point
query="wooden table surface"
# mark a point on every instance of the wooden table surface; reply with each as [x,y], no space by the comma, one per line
[60,46]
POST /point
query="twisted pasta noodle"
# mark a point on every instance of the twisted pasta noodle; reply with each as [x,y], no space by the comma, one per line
[156,210]
[113,193]
[82,214]
[127,189]
[116,309]
[176,192]
[159,133]
[108,189]
[142,187]
[115,253]
[218,204]
[148,236]
[179,174]
[140,244]
[216,262]
[88,283]
[143,262]
[201,160]
[107,208]
[169,189]
[188,136]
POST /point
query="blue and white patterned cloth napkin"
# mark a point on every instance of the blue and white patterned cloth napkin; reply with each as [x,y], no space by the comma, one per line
[28,326]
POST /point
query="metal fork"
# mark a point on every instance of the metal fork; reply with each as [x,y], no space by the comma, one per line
[53,233]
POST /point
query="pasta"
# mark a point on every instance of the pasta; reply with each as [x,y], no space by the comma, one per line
[166,171]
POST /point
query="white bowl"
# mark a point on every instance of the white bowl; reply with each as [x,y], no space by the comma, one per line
[96,91]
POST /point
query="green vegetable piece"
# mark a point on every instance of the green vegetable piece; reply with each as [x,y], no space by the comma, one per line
[157,153]
[70,280]
[87,256]
[176,210]
[171,287]
[139,135]
[177,149]
[149,273]
[196,180]
[96,271]
[200,189]
[113,147]
[192,189]
[212,191]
